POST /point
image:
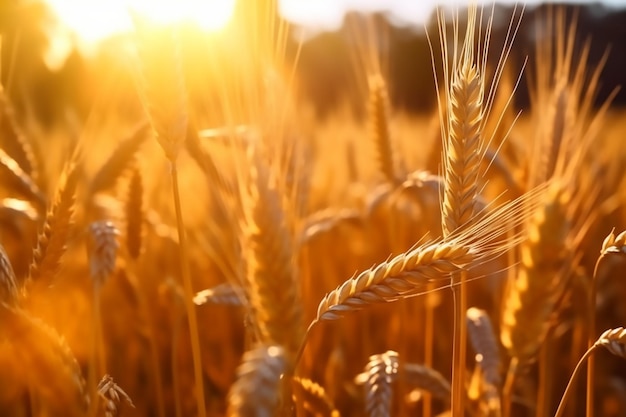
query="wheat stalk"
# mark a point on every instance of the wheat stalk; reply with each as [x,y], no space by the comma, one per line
[162,84]
[612,245]
[134,214]
[463,150]
[164,95]
[613,340]
[256,392]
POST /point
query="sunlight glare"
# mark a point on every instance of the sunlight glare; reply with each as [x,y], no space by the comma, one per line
[95,20]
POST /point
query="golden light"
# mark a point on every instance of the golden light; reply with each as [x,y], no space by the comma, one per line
[94,20]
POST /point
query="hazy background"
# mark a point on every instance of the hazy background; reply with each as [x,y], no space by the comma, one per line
[49,88]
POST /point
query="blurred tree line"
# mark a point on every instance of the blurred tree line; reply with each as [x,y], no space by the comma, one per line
[326,68]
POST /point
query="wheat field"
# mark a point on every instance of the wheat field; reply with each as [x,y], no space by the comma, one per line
[210,247]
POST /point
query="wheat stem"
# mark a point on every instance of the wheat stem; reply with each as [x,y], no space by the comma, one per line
[509,383]
[591,326]
[459,349]
[546,359]
[429,340]
[570,384]
[97,353]
[189,305]
[154,347]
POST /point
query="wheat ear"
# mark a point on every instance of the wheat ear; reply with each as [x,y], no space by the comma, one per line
[110,393]
[9,293]
[13,140]
[271,272]
[378,109]
[313,397]
[409,273]
[120,160]
[462,155]
[426,379]
[18,180]
[380,373]
[485,344]
[531,299]
[102,252]
[46,359]
[256,392]
[134,214]
[53,237]
[222,294]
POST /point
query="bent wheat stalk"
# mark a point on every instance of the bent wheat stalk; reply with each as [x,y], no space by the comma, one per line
[614,340]
[164,96]
[408,274]
[612,245]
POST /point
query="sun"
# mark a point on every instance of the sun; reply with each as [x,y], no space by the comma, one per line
[94,20]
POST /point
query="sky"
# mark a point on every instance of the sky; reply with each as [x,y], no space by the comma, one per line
[328,14]
[84,23]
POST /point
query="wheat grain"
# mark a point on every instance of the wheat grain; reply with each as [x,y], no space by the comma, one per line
[256,392]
